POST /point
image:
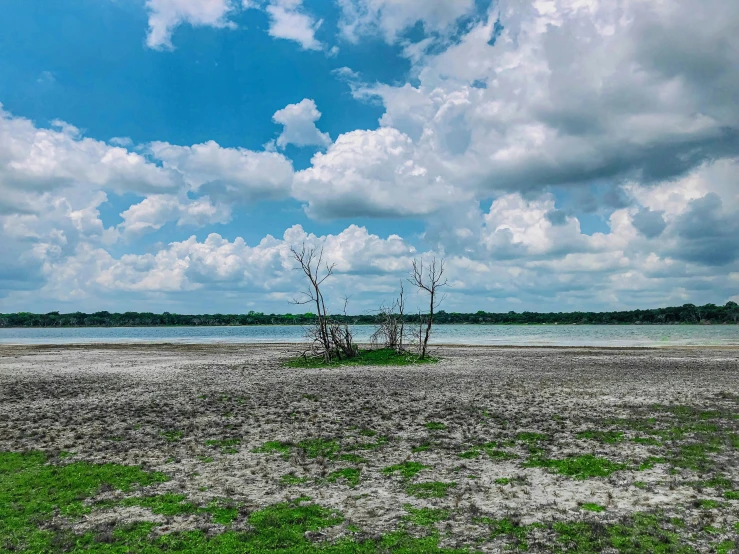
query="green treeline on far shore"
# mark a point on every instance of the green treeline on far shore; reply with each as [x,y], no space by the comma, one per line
[686,314]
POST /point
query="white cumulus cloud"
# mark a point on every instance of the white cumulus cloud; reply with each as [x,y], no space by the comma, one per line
[166,15]
[299,125]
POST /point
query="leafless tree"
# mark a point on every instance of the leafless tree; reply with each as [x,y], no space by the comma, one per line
[430,280]
[310,261]
[329,339]
[391,320]
[341,337]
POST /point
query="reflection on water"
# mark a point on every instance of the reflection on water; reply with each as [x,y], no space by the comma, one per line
[520,335]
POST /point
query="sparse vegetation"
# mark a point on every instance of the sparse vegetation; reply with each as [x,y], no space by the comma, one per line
[360,445]
[432,489]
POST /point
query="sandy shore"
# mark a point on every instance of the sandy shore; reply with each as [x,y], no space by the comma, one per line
[666,419]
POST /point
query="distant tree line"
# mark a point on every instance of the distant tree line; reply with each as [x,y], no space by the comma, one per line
[685,314]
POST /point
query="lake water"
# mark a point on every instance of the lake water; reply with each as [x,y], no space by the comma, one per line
[514,335]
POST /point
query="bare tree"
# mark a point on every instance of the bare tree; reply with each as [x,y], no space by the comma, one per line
[342,339]
[391,320]
[310,261]
[430,281]
[329,339]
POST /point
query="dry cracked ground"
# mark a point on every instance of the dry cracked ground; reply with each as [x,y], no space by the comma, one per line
[224,449]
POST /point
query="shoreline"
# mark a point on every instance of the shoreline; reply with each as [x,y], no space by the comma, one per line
[114,345]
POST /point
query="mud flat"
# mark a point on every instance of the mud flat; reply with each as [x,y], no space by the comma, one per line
[491,449]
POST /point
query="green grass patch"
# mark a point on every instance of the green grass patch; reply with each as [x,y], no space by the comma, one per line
[421,448]
[350,474]
[708,504]
[432,489]
[425,516]
[227,446]
[378,356]
[650,462]
[731,495]
[172,436]
[319,448]
[407,469]
[311,397]
[694,456]
[497,454]
[32,491]
[577,467]
[592,507]
[379,443]
[469,454]
[507,528]
[644,533]
[163,504]
[608,437]
[292,479]
[353,458]
[274,447]
[502,481]
[435,426]
[530,438]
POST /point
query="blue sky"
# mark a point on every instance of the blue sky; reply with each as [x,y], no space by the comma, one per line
[165,154]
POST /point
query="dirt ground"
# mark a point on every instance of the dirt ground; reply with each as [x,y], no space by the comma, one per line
[503,438]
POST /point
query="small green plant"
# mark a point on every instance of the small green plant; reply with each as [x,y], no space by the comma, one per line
[379,356]
[578,467]
[432,489]
[425,516]
[508,528]
[319,448]
[650,462]
[592,507]
[407,469]
[531,438]
[435,426]
[274,447]
[502,481]
[350,474]
[353,459]
[227,446]
[708,504]
[379,443]
[731,495]
[498,454]
[292,479]
[421,448]
[172,436]
[311,397]
[469,454]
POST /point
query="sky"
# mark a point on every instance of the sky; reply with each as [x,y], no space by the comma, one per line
[559,155]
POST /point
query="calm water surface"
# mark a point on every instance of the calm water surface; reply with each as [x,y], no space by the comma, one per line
[514,335]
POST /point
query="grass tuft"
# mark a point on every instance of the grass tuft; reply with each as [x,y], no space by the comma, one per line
[578,467]
[378,356]
[432,489]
